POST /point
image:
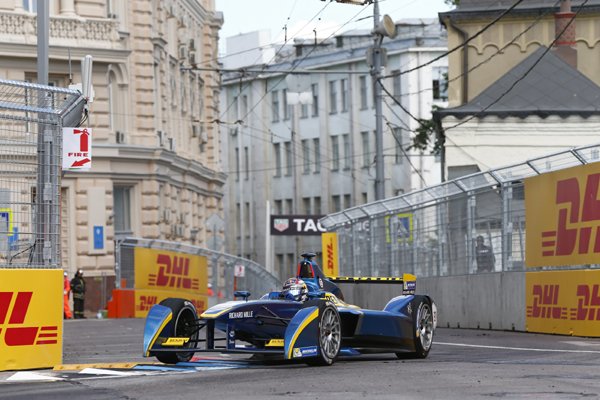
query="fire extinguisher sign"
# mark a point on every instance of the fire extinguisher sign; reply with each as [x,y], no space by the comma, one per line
[77,148]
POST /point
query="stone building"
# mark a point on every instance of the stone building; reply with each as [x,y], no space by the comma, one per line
[156,170]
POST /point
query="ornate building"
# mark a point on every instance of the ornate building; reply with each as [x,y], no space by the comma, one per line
[156,170]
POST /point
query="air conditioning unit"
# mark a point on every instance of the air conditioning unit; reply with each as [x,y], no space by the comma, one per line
[120,137]
[171,144]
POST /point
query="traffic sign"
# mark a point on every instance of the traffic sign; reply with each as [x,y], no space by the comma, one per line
[239,271]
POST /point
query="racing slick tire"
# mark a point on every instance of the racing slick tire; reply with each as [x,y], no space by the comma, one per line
[422,329]
[329,333]
[183,324]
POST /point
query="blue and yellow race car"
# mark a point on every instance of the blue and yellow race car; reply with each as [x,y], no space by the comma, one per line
[308,320]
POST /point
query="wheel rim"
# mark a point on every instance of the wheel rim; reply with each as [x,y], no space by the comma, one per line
[425,325]
[330,333]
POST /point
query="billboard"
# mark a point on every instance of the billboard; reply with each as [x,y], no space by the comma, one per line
[297,225]
[563,302]
[31,318]
[562,217]
[329,243]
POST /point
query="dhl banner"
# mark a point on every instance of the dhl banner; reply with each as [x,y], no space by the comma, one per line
[31,318]
[170,271]
[562,215]
[145,299]
[329,243]
[563,302]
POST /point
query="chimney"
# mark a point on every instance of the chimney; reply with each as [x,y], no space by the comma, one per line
[565,46]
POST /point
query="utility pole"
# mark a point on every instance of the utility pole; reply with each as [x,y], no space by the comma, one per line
[376,74]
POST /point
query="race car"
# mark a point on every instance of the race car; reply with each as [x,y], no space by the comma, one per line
[307,321]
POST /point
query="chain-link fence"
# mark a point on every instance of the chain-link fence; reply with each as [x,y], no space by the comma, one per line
[468,225]
[221,267]
[31,121]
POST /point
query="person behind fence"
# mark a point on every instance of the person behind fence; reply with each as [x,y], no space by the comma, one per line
[485,256]
[78,289]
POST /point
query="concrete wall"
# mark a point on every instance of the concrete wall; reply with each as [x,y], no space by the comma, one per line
[485,301]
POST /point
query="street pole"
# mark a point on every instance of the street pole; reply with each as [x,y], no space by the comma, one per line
[376,74]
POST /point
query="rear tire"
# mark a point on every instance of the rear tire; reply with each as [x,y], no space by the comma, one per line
[422,330]
[183,324]
[330,336]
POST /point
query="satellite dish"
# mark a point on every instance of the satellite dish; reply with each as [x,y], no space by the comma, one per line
[386,27]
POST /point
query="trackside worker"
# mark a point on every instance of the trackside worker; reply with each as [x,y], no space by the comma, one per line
[78,288]
[67,314]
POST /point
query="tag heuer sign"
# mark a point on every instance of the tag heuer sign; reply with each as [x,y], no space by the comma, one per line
[296,225]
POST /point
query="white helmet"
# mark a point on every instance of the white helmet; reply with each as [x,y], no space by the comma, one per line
[296,289]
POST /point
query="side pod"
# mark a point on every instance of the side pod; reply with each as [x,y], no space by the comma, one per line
[301,334]
[158,317]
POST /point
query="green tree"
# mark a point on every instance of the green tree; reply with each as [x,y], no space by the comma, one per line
[452,2]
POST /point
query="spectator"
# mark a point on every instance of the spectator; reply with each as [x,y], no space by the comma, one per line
[67,314]
[78,288]
[485,256]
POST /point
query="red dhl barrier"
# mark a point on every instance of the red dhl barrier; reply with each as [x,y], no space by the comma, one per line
[135,303]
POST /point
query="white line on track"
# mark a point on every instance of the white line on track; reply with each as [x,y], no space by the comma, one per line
[517,348]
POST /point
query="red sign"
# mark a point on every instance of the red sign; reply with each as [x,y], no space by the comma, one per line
[173,273]
[14,333]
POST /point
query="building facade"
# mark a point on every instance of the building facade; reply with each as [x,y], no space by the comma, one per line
[156,169]
[304,144]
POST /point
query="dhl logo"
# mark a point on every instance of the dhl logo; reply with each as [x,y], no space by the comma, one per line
[15,335]
[576,220]
[588,303]
[146,303]
[199,304]
[330,254]
[545,303]
[173,272]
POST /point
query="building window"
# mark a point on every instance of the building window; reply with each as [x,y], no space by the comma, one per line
[306,156]
[278,205]
[347,201]
[277,157]
[122,209]
[440,83]
[366,147]
[237,164]
[246,163]
[365,198]
[332,97]
[30,5]
[399,153]
[335,153]
[336,203]
[317,156]
[275,105]
[289,206]
[286,106]
[364,96]
[317,205]
[306,205]
[347,155]
[396,86]
[344,93]
[315,99]
[289,158]
[304,111]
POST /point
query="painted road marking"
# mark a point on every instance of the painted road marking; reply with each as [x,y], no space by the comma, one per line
[32,376]
[517,348]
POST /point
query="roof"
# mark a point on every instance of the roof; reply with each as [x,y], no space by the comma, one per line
[552,87]
[471,8]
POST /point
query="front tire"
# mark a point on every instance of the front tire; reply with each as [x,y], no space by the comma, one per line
[330,336]
[422,330]
[183,324]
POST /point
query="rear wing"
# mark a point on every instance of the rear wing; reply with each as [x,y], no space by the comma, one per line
[408,281]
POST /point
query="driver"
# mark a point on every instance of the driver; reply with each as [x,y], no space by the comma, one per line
[295,289]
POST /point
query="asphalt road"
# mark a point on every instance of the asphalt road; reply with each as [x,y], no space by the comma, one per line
[463,364]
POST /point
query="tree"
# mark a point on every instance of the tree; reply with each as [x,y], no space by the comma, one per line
[452,2]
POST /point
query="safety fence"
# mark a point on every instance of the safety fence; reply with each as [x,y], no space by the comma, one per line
[472,224]
[31,121]
[222,268]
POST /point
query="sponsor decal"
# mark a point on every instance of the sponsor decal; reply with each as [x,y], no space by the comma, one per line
[275,343]
[241,314]
[10,328]
[146,303]
[175,341]
[281,224]
[173,273]
[329,242]
[305,351]
[320,283]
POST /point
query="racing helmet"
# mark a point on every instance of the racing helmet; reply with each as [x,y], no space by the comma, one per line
[295,289]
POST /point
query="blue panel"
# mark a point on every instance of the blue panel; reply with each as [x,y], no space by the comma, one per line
[13,240]
[98,237]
